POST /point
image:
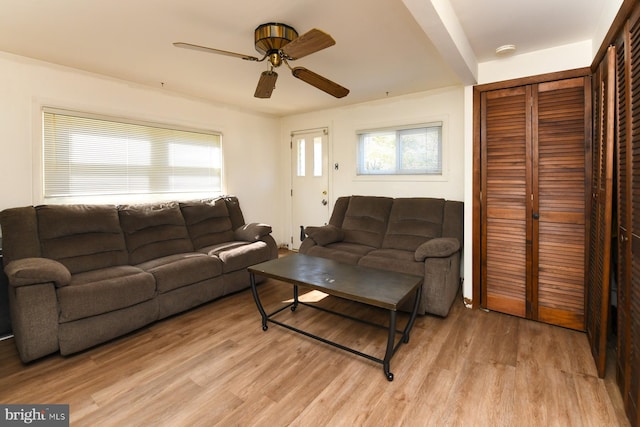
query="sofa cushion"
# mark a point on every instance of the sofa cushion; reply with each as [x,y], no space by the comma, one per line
[215,250]
[154,231]
[437,248]
[238,255]
[365,220]
[100,291]
[235,213]
[325,234]
[207,221]
[81,237]
[413,221]
[339,211]
[252,232]
[453,223]
[19,234]
[31,271]
[348,253]
[178,270]
[393,260]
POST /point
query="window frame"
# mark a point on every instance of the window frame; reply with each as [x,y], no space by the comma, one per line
[398,174]
[132,197]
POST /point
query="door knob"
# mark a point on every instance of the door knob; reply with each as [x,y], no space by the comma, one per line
[324,202]
[536,215]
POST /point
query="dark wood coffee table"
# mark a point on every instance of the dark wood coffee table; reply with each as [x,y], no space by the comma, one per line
[378,288]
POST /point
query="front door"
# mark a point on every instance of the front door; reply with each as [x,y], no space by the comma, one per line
[309,182]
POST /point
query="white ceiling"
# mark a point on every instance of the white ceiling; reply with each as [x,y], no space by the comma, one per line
[383,47]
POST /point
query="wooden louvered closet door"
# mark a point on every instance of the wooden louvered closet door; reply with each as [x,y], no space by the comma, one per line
[628,201]
[533,143]
[559,182]
[506,168]
[601,211]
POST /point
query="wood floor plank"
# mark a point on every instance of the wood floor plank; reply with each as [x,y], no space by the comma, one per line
[482,394]
[214,365]
[496,339]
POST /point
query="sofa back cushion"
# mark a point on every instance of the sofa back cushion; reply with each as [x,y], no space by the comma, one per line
[235,213]
[81,237]
[453,223]
[365,220]
[412,222]
[154,230]
[208,222]
[19,234]
[339,211]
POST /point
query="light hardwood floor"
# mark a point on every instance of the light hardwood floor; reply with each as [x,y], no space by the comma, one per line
[215,366]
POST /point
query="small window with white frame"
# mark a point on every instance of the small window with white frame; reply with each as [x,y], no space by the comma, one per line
[406,150]
[93,158]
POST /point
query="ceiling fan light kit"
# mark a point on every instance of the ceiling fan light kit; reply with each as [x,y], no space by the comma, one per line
[280,43]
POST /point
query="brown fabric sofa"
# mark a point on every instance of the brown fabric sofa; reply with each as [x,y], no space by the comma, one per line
[80,275]
[421,236]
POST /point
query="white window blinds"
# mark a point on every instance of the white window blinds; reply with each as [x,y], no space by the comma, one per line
[92,156]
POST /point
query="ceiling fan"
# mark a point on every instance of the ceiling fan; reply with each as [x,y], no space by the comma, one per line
[280,43]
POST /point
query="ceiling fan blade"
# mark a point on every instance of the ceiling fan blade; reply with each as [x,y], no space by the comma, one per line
[266,84]
[308,43]
[320,82]
[217,51]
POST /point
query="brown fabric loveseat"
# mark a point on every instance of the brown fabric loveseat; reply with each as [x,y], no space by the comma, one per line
[421,236]
[80,275]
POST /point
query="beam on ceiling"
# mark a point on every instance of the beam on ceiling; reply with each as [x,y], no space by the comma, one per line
[441,25]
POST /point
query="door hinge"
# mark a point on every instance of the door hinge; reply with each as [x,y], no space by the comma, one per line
[292,192]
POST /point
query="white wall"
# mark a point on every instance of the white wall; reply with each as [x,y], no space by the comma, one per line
[561,58]
[440,105]
[446,105]
[610,9]
[250,141]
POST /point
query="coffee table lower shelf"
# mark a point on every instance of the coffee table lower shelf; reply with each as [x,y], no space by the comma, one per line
[392,346]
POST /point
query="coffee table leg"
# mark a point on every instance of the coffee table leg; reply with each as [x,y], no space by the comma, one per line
[407,328]
[256,298]
[390,345]
[295,298]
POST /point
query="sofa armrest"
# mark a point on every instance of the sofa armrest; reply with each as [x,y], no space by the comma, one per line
[252,232]
[325,234]
[437,248]
[33,271]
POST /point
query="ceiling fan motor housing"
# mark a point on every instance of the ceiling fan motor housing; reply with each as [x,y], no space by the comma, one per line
[271,37]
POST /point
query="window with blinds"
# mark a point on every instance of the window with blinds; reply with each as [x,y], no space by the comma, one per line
[88,156]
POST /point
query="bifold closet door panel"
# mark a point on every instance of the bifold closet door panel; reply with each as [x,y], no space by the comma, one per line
[624,166]
[628,183]
[505,175]
[559,197]
[634,334]
[633,314]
